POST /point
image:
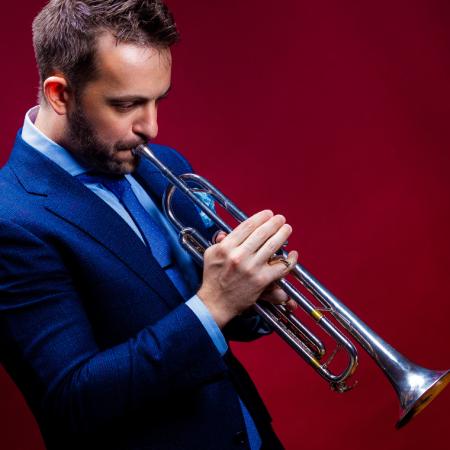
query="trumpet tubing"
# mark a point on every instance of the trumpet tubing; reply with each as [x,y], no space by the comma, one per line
[415,386]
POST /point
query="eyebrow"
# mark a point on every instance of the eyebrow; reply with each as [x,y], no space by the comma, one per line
[137,98]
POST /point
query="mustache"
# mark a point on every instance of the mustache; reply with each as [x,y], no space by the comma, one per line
[127,146]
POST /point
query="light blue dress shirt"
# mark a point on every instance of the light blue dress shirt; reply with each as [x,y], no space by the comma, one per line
[38,140]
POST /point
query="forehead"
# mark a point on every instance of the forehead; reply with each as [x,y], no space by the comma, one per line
[125,65]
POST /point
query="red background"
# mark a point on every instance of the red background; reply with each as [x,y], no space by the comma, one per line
[335,113]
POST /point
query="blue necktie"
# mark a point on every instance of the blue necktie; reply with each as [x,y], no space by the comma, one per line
[150,230]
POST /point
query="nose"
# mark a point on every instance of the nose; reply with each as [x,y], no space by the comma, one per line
[146,122]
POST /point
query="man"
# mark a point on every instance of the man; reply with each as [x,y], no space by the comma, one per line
[104,323]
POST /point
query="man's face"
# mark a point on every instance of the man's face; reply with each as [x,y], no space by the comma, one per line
[118,110]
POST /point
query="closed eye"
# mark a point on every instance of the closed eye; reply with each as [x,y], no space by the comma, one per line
[124,106]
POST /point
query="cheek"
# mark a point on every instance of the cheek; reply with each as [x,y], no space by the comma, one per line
[108,125]
[111,128]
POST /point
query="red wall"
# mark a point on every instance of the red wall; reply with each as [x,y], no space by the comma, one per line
[336,114]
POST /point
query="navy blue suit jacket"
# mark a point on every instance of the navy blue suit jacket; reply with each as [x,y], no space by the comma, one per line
[93,332]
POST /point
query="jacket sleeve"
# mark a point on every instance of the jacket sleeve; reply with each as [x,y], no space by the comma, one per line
[48,346]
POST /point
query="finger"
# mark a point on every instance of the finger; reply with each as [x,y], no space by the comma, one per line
[218,237]
[244,229]
[275,296]
[264,232]
[280,269]
[274,243]
[291,305]
[292,259]
[270,288]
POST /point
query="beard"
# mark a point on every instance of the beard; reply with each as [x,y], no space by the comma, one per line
[85,145]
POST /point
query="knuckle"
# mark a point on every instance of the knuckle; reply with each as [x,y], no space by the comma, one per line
[235,258]
[208,252]
[220,250]
[260,279]
[247,225]
[273,246]
[253,236]
[248,270]
[216,252]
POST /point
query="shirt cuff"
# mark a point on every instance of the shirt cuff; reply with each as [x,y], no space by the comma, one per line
[205,317]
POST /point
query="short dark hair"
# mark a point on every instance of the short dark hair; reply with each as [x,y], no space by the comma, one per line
[65,31]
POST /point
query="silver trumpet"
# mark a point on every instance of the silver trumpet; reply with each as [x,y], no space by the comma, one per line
[415,386]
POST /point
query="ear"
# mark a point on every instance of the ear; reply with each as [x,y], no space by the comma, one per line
[57,92]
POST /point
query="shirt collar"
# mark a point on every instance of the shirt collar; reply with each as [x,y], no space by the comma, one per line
[59,155]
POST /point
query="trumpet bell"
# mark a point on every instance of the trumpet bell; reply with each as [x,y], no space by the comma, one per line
[416,389]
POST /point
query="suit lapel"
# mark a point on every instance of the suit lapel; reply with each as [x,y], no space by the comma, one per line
[71,201]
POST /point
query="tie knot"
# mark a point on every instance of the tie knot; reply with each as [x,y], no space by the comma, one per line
[117,184]
[151,231]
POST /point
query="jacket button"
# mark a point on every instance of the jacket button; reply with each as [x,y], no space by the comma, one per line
[240,438]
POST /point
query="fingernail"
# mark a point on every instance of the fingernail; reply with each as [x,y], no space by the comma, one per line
[216,235]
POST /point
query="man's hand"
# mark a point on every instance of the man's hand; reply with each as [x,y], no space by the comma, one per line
[273,293]
[236,270]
